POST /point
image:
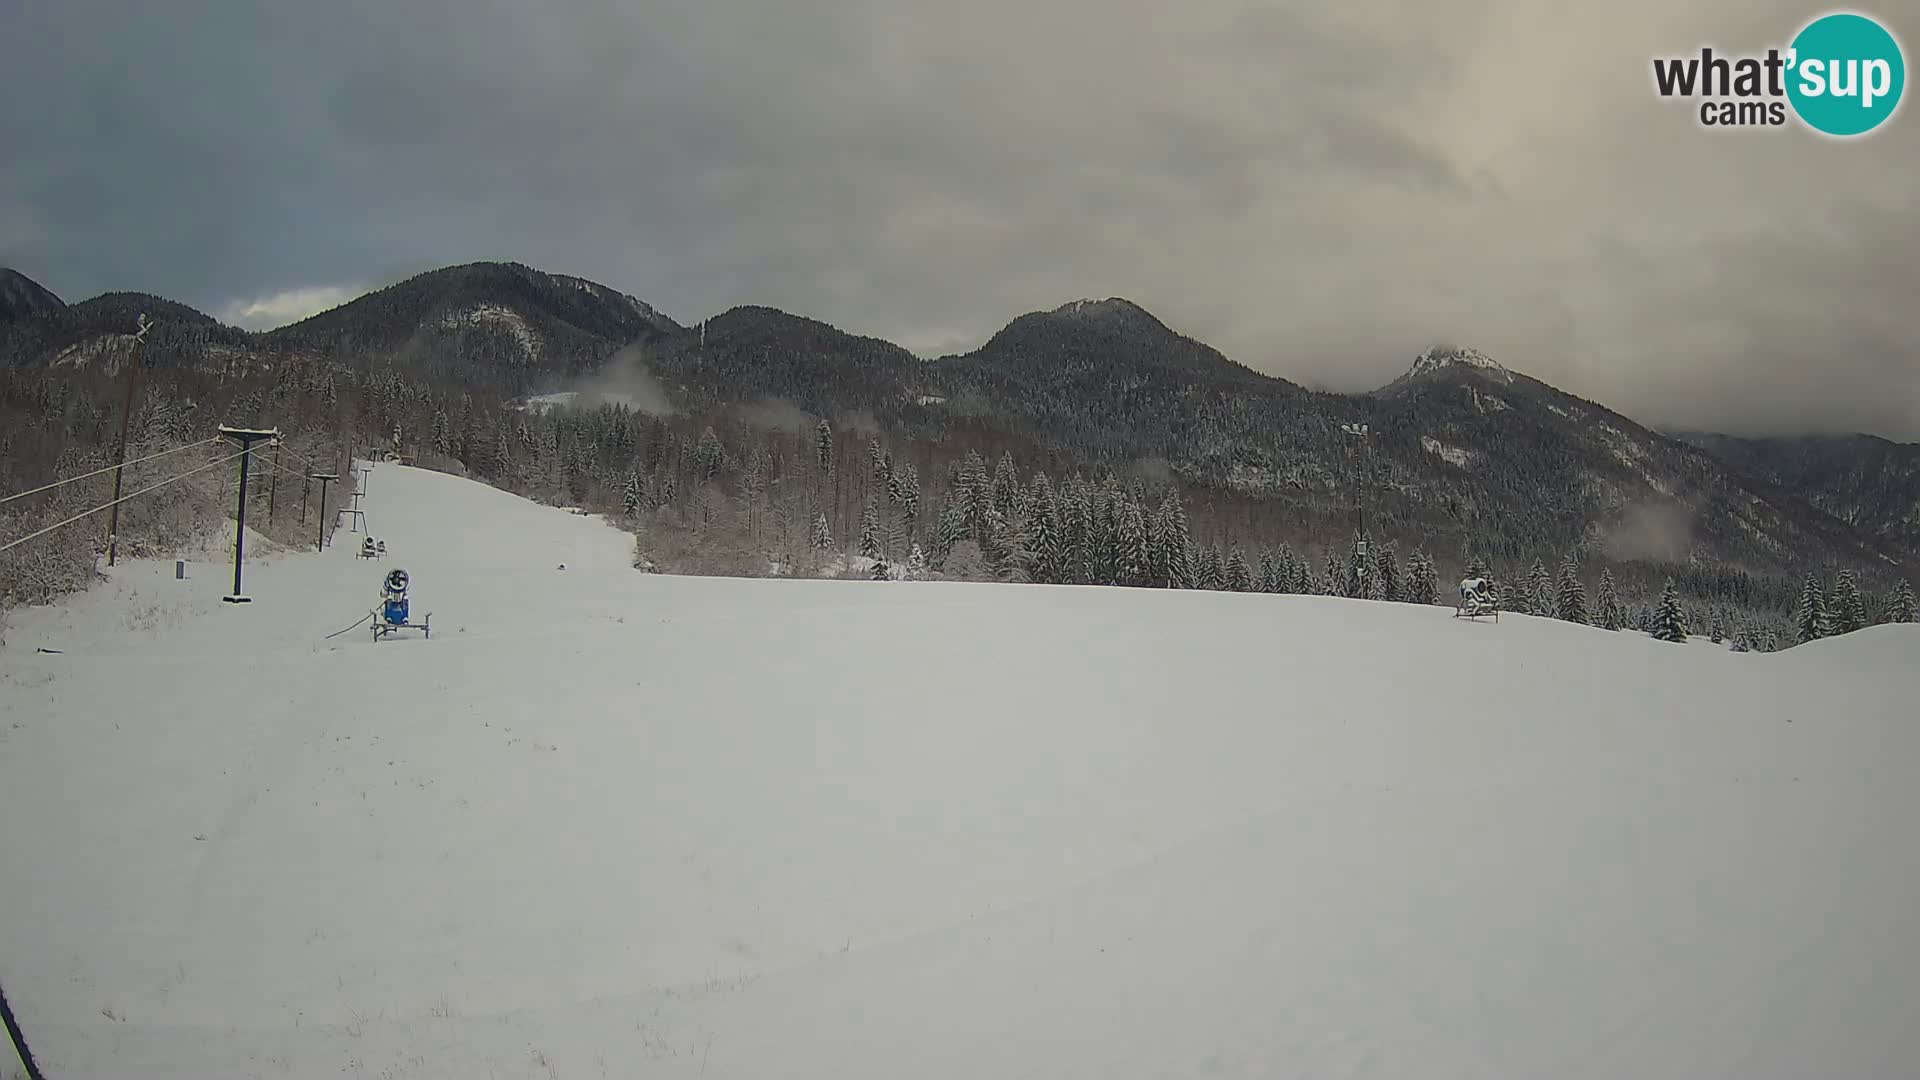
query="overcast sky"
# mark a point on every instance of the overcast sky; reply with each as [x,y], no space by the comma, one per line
[1319,190]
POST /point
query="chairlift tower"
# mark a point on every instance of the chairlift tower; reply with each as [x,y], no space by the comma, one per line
[246,437]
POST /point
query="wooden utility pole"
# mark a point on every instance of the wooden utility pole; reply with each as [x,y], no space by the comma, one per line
[120,451]
[246,438]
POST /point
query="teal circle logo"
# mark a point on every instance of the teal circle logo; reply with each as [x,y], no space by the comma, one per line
[1845,75]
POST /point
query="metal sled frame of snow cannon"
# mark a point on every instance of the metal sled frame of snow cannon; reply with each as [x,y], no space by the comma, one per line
[381,627]
[1464,611]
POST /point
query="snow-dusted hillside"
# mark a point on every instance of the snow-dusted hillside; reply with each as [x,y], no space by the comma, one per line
[614,824]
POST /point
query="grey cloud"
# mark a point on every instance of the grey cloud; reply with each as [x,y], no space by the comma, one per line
[1319,190]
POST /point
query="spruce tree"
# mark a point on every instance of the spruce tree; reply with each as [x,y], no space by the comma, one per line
[1293,572]
[1239,576]
[1611,615]
[822,536]
[1900,607]
[1538,594]
[1005,487]
[1132,556]
[823,448]
[1571,604]
[1810,623]
[1211,572]
[630,497]
[1333,579]
[1669,624]
[1269,580]
[1848,610]
[1384,582]
[881,571]
[1170,542]
[870,532]
[1423,581]
[1043,531]
[916,564]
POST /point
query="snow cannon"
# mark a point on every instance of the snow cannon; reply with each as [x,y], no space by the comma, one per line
[1476,599]
[393,598]
[393,608]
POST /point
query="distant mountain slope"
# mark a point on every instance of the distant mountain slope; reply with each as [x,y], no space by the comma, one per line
[1866,481]
[747,355]
[1500,444]
[21,296]
[94,335]
[1466,456]
[488,326]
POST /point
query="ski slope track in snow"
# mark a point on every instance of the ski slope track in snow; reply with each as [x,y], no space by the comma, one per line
[607,823]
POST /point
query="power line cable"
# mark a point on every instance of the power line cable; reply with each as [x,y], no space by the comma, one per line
[105,506]
[108,469]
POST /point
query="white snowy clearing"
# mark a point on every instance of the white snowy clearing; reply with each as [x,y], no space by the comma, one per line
[614,824]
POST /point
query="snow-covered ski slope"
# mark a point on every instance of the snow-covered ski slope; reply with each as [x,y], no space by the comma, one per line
[614,824]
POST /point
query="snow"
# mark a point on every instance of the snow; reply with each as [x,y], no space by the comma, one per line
[494,314]
[1440,357]
[608,823]
[1453,455]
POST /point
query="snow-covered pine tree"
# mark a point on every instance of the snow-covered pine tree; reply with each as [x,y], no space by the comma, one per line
[916,564]
[870,532]
[1716,631]
[906,492]
[1009,544]
[1004,491]
[822,538]
[1171,543]
[1239,576]
[972,492]
[1384,581]
[1611,616]
[1333,577]
[630,496]
[881,571]
[948,529]
[1076,532]
[823,448]
[1810,622]
[1044,532]
[1292,571]
[1669,624]
[1269,580]
[1538,595]
[1210,571]
[1307,583]
[1507,598]
[1423,580]
[1477,568]
[1571,604]
[1132,556]
[1900,606]
[1847,611]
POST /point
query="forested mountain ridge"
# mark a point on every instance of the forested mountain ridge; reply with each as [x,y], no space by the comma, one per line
[1866,481]
[21,296]
[1465,458]
[486,327]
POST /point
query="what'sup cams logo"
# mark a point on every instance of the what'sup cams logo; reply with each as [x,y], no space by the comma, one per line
[1842,75]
